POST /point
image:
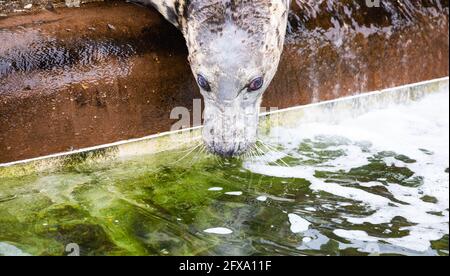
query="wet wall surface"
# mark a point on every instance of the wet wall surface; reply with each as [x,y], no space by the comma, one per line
[75,78]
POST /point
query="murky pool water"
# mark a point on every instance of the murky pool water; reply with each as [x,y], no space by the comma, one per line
[377,184]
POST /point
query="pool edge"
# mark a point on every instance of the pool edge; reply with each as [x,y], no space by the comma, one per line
[328,111]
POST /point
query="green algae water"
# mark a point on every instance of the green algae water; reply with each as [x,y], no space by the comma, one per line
[372,185]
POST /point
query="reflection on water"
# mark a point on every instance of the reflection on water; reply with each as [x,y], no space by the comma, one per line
[30,57]
[377,184]
[41,53]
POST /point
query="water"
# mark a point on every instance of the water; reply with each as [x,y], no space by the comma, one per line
[376,184]
[389,168]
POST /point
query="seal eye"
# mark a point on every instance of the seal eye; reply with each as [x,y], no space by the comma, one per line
[203,83]
[256,84]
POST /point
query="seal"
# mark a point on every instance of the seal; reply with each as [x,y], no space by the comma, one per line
[234,52]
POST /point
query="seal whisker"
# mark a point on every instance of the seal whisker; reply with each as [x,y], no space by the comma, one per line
[255,152]
[185,156]
[250,153]
[198,152]
[190,148]
[264,157]
[279,152]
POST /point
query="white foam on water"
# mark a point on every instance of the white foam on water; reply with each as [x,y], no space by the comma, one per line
[307,239]
[354,235]
[215,189]
[7,249]
[298,224]
[219,231]
[262,198]
[234,193]
[403,129]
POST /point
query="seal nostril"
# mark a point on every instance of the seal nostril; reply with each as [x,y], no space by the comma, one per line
[227,153]
[211,131]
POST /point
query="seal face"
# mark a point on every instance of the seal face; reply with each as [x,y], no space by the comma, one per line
[234,51]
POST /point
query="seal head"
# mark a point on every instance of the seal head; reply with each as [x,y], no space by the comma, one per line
[234,51]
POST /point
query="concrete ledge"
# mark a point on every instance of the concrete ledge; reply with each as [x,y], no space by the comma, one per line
[330,111]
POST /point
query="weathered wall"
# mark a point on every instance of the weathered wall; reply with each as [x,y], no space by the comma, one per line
[8,7]
[338,48]
[73,78]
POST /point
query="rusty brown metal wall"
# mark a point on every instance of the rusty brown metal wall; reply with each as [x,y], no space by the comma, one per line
[74,78]
[8,7]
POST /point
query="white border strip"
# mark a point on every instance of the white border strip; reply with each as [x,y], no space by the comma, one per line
[104,146]
[357,96]
[265,114]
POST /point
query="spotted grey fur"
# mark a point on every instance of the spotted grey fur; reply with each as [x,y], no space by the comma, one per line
[230,42]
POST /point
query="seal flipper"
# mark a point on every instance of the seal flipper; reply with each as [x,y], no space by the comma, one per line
[165,7]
